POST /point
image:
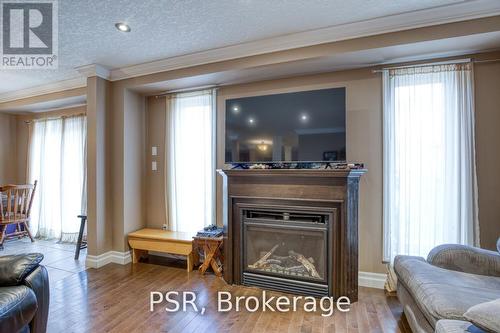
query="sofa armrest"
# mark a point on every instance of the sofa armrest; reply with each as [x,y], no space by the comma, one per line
[465,259]
[15,268]
[38,281]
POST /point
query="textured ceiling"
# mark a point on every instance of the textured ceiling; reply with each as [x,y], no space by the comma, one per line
[167,28]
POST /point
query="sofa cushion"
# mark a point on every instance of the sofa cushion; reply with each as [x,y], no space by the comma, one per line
[498,245]
[441,293]
[17,308]
[485,315]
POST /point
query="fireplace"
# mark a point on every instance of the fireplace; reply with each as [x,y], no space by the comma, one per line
[294,231]
[286,250]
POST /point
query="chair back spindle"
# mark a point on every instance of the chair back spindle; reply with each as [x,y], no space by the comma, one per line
[15,208]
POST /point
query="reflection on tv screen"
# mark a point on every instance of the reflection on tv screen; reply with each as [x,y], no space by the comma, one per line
[306,126]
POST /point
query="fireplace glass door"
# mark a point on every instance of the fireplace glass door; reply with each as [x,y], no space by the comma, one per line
[286,249]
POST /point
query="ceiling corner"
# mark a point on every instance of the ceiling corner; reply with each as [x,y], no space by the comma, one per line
[94,70]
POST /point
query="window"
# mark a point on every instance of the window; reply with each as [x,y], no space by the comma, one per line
[191,160]
[429,161]
[58,161]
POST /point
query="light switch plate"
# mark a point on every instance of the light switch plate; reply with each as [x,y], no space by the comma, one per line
[154,151]
[154,167]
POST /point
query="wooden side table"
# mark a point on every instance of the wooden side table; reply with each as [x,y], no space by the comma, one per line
[213,255]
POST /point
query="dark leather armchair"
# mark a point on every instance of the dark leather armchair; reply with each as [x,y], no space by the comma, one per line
[24,294]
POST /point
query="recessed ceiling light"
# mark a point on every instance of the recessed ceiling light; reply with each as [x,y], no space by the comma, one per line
[123,27]
[251,120]
[304,117]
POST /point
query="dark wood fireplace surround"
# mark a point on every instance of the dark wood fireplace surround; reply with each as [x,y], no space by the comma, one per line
[331,191]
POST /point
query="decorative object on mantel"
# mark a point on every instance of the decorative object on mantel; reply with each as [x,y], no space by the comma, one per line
[212,255]
[298,165]
[293,229]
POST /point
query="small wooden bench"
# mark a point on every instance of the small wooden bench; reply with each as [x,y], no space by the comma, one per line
[172,242]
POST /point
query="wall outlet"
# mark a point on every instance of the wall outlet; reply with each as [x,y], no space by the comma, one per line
[164,227]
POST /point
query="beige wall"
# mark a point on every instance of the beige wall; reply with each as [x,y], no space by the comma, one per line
[364,144]
[128,164]
[487,98]
[22,145]
[117,157]
[8,149]
[134,166]
[156,212]
[99,227]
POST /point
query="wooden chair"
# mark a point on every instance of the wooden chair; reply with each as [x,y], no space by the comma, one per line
[81,243]
[15,209]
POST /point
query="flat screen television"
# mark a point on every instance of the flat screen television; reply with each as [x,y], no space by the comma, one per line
[298,127]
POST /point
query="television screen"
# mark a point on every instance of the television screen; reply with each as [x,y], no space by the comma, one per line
[307,126]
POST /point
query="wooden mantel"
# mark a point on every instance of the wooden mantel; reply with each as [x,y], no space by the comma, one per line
[323,188]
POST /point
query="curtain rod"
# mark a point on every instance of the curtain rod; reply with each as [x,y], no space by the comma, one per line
[486,60]
[456,61]
[55,117]
[187,90]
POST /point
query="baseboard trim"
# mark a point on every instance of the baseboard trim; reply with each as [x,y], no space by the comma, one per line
[372,280]
[109,257]
[365,279]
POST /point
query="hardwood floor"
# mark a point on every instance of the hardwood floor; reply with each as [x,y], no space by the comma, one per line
[115,298]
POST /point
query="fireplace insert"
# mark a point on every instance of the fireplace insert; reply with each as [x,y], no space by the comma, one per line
[286,250]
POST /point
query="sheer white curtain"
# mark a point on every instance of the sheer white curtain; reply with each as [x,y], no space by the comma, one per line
[190,160]
[430,191]
[57,159]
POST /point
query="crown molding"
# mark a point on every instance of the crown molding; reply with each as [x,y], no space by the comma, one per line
[77,82]
[410,20]
[66,107]
[53,87]
[94,70]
